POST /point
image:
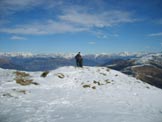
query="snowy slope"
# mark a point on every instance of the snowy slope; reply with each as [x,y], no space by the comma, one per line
[69,94]
[145,59]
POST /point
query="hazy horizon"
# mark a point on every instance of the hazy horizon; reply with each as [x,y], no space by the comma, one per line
[74,53]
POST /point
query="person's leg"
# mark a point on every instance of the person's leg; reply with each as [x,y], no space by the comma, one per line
[81,63]
[77,63]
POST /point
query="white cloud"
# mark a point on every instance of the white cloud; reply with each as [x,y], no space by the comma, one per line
[16,5]
[49,27]
[101,35]
[71,19]
[104,35]
[9,7]
[18,38]
[91,42]
[100,20]
[156,34]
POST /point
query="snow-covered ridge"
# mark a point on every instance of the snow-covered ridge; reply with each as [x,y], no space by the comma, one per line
[16,54]
[69,55]
[146,58]
[70,94]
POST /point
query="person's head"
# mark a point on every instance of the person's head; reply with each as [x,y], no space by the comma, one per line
[78,52]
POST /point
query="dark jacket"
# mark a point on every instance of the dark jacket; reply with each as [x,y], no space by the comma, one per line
[78,57]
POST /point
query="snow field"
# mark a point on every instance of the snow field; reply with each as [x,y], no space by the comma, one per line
[70,94]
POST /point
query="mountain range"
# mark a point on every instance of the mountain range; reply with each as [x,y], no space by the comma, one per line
[42,62]
[144,66]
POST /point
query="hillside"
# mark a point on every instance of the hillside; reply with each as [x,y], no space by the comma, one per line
[147,68]
[70,94]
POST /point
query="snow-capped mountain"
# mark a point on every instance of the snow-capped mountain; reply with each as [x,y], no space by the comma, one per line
[68,55]
[70,94]
[39,62]
[146,59]
[16,54]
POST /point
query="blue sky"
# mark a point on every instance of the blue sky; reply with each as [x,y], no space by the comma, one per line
[89,26]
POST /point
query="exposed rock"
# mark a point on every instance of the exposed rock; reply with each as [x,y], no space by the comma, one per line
[93,87]
[24,79]
[7,95]
[60,75]
[86,86]
[44,74]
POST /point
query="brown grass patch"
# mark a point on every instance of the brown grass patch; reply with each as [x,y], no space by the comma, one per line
[23,78]
[23,82]
[149,74]
[107,81]
[22,91]
[21,74]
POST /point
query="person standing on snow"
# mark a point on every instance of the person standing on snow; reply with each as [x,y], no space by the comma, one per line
[79,60]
